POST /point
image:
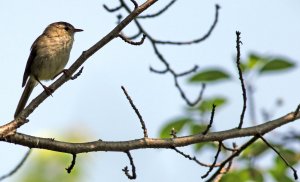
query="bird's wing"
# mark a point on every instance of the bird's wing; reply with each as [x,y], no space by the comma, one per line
[29,61]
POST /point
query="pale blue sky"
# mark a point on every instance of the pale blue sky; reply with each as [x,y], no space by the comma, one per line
[95,101]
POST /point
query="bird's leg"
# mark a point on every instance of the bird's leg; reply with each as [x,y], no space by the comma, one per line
[48,90]
[66,73]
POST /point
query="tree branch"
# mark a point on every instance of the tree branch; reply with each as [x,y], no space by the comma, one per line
[75,148]
[238,58]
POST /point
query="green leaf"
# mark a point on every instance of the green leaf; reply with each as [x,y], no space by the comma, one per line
[196,128]
[210,75]
[255,60]
[177,124]
[247,174]
[206,104]
[277,64]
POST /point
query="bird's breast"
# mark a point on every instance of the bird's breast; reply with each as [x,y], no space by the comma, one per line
[51,57]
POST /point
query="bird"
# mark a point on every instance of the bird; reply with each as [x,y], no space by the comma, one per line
[48,57]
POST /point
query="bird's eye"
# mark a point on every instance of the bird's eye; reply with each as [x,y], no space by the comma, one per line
[67,28]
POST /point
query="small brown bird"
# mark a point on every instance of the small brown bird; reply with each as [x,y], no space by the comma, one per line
[49,55]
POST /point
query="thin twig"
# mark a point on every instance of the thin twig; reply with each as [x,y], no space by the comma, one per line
[127,40]
[136,112]
[158,71]
[112,9]
[215,161]
[238,57]
[69,169]
[17,167]
[134,36]
[224,170]
[154,43]
[296,111]
[182,93]
[126,171]
[194,69]
[135,4]
[194,159]
[159,12]
[229,149]
[211,119]
[279,154]
[230,158]
[201,39]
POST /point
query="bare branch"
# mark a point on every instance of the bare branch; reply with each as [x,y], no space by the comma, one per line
[158,71]
[231,157]
[135,4]
[196,40]
[69,169]
[194,69]
[154,43]
[190,103]
[135,36]
[142,143]
[136,112]
[194,159]
[238,57]
[211,120]
[17,167]
[229,149]
[112,9]
[281,156]
[159,12]
[297,111]
[127,40]
[215,161]
[126,171]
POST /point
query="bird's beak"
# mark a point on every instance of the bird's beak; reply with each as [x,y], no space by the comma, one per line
[77,30]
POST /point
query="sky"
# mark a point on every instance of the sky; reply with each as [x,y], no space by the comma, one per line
[95,105]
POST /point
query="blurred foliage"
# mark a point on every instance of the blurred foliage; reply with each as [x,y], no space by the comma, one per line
[266,64]
[210,75]
[196,119]
[247,175]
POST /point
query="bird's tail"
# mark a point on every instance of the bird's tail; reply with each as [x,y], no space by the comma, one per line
[25,95]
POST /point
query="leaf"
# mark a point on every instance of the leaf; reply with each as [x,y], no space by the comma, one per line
[210,75]
[196,128]
[255,60]
[177,124]
[246,174]
[277,64]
